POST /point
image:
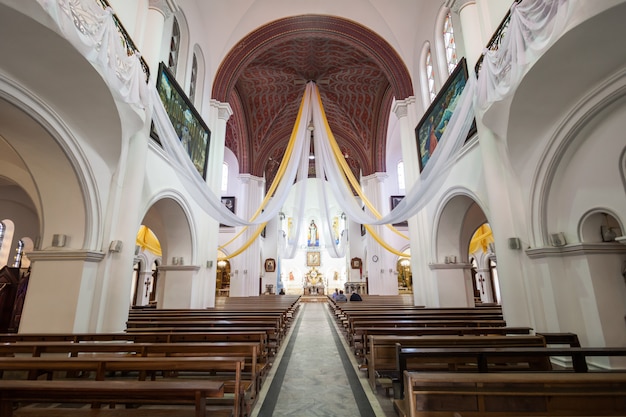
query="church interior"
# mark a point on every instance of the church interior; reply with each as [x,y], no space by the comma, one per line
[175,169]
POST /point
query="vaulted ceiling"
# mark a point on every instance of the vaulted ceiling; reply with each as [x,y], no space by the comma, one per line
[263,79]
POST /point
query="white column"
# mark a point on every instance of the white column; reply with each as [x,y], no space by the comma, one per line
[424,289]
[491,13]
[61,286]
[151,45]
[473,41]
[115,280]
[219,115]
[375,257]
[506,220]
[175,286]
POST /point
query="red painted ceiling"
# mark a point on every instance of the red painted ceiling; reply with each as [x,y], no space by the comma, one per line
[264,77]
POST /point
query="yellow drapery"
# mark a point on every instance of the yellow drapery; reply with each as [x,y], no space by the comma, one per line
[481,239]
[270,192]
[348,176]
[147,240]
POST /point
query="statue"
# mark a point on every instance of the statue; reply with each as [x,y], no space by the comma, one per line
[313,237]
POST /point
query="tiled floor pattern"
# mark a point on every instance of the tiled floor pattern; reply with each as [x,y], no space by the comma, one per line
[315,376]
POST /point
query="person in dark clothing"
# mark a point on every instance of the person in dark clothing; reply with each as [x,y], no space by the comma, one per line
[355,297]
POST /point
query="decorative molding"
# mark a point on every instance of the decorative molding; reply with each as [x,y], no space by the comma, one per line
[578,249]
[191,268]
[66,255]
[449,266]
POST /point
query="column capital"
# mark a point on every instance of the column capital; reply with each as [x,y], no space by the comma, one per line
[224,111]
[401,107]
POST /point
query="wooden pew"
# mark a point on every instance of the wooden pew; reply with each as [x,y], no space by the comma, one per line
[255,365]
[208,335]
[504,359]
[513,394]
[361,334]
[225,369]
[382,360]
[194,392]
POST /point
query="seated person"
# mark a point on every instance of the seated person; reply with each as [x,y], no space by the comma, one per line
[341,296]
[355,297]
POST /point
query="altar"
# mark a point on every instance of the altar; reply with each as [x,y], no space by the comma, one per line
[314,283]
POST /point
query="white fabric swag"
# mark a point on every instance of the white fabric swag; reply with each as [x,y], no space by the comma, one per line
[534,26]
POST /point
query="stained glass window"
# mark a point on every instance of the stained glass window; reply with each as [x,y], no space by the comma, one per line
[450,45]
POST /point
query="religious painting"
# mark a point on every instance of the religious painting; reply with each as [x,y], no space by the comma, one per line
[313,259]
[395,200]
[355,263]
[270,265]
[188,124]
[229,202]
[434,122]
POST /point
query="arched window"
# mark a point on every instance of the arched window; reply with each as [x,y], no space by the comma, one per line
[430,76]
[400,173]
[2,229]
[19,252]
[174,47]
[194,79]
[224,177]
[449,43]
[427,76]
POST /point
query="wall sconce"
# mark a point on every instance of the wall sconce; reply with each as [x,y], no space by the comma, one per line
[115,246]
[515,243]
[58,241]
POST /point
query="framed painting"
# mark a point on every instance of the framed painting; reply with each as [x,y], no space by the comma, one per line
[270,265]
[435,120]
[188,124]
[229,202]
[395,200]
[355,263]
[313,259]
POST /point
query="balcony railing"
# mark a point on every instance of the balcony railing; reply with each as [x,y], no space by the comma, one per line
[496,39]
[131,49]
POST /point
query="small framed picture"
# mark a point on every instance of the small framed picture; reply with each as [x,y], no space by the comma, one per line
[313,259]
[270,265]
[355,263]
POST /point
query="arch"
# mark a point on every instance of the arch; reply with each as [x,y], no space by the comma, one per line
[586,135]
[459,215]
[292,27]
[169,217]
[599,225]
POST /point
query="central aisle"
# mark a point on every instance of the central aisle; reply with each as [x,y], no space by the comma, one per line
[314,375]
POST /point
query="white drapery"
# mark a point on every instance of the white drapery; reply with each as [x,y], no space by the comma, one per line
[534,26]
[92,31]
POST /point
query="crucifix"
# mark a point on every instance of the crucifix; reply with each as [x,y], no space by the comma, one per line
[147,287]
[482,283]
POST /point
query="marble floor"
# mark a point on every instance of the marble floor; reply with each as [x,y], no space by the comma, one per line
[315,374]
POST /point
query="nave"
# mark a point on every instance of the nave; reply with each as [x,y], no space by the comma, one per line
[315,374]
